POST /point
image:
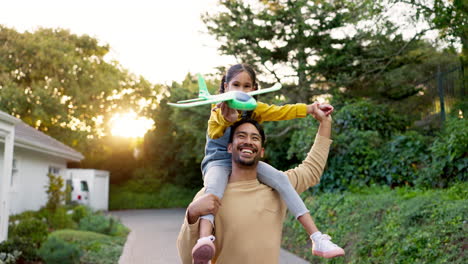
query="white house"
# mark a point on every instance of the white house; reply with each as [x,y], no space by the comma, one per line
[7,136]
[28,156]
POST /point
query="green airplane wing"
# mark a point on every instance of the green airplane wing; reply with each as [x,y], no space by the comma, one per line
[212,99]
[275,87]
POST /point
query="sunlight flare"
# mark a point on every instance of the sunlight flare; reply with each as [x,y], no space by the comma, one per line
[130,125]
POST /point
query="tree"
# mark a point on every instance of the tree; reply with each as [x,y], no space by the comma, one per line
[60,83]
[450,17]
[350,49]
[291,41]
[175,149]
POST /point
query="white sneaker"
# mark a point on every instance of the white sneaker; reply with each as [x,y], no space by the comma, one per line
[323,247]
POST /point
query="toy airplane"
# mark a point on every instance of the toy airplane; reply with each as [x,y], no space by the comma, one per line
[235,99]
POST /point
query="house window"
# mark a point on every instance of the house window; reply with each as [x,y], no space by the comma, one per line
[54,170]
[14,173]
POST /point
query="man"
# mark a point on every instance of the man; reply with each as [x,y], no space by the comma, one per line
[249,223]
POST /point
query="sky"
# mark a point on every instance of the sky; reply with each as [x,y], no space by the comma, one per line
[159,40]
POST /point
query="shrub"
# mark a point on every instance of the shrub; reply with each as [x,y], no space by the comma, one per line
[60,219]
[351,158]
[99,223]
[365,115]
[97,248]
[448,156]
[24,215]
[143,181]
[400,160]
[33,229]
[57,251]
[381,225]
[169,196]
[21,244]
[9,258]
[79,212]
[55,193]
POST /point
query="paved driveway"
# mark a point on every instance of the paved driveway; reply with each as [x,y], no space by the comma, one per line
[153,236]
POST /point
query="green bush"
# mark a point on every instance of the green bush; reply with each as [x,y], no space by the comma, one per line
[169,196]
[55,192]
[22,244]
[31,228]
[60,219]
[365,115]
[380,225]
[9,258]
[97,248]
[400,160]
[80,212]
[24,215]
[448,156]
[100,224]
[143,181]
[57,251]
[351,159]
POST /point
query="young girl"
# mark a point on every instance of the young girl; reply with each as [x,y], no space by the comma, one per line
[216,165]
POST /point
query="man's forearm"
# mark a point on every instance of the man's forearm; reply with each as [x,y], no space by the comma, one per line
[191,217]
[325,128]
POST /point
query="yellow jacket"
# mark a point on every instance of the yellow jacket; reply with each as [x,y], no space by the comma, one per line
[264,112]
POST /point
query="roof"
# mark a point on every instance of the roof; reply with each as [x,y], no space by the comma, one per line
[31,138]
[8,118]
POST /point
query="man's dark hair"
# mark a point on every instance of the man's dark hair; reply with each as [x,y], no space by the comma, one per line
[250,121]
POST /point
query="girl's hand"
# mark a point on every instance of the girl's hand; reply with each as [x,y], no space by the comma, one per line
[326,108]
[322,115]
[228,113]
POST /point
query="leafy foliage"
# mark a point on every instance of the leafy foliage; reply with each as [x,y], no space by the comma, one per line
[448,156]
[367,116]
[57,251]
[60,219]
[379,225]
[55,192]
[31,228]
[21,244]
[60,83]
[400,160]
[99,223]
[168,196]
[80,212]
[9,258]
[97,248]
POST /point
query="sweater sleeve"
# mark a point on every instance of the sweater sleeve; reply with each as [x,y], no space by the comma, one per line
[265,112]
[188,237]
[309,172]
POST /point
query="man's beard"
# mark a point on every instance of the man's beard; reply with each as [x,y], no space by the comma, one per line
[246,163]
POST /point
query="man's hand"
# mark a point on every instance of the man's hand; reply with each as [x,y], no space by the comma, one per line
[324,117]
[203,205]
[228,113]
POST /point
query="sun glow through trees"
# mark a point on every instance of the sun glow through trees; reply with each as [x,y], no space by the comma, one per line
[130,125]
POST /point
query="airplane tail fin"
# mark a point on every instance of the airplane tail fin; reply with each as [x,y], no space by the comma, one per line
[203,90]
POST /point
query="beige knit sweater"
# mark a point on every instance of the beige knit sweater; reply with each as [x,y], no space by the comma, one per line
[249,223]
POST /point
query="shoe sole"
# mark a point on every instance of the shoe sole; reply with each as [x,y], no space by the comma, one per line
[203,255]
[328,254]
